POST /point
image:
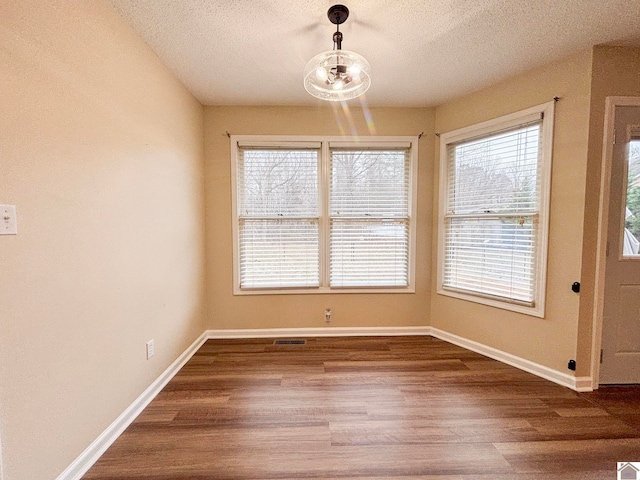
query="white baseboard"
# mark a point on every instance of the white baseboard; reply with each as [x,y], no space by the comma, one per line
[580,384]
[318,332]
[584,384]
[92,453]
[1,465]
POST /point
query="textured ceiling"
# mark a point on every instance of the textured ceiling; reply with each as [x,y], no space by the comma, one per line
[422,52]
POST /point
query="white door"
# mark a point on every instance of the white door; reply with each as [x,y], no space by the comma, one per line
[621,318]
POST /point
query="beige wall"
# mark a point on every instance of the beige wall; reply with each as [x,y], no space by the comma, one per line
[288,311]
[616,72]
[549,341]
[101,151]
[104,154]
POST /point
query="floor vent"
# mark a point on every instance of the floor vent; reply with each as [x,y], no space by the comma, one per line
[289,342]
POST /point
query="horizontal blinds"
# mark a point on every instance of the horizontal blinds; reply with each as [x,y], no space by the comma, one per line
[369,253]
[369,183]
[279,253]
[496,174]
[278,217]
[278,182]
[491,256]
[493,191]
[369,217]
[371,144]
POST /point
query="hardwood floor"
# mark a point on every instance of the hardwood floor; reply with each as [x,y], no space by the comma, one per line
[370,408]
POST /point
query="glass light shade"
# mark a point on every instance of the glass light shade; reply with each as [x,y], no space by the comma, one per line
[337,75]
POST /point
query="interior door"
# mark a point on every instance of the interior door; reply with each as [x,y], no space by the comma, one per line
[621,316]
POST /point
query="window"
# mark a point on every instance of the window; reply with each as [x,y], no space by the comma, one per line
[631,233]
[323,214]
[278,216]
[494,197]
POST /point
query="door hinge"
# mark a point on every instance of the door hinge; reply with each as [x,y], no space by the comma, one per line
[614,136]
[601,354]
[607,249]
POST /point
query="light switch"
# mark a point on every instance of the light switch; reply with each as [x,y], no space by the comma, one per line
[8,221]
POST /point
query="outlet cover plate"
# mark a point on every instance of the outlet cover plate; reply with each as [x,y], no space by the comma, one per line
[8,220]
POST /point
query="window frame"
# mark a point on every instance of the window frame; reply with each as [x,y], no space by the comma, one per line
[487,128]
[632,135]
[288,141]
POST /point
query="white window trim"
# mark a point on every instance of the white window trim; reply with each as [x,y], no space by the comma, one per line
[293,140]
[484,128]
[632,134]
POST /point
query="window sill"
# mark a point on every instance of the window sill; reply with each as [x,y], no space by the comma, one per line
[322,290]
[537,311]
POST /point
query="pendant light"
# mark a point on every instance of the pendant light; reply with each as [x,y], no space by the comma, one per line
[337,74]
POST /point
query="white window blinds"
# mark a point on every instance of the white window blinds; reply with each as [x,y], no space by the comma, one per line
[323,214]
[278,217]
[491,218]
[369,217]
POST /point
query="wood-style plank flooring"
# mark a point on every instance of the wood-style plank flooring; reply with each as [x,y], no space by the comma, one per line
[370,408]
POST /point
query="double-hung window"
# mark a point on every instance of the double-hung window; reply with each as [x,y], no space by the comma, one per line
[278,216]
[494,201]
[318,214]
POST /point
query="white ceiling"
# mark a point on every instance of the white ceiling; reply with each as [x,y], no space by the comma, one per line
[422,52]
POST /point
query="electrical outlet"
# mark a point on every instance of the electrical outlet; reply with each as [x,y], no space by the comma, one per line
[8,222]
[327,315]
[150,349]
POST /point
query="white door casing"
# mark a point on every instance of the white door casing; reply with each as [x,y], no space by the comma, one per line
[620,341]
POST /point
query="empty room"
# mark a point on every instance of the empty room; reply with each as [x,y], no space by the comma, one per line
[252,240]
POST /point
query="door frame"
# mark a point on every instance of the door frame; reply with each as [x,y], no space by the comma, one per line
[603,229]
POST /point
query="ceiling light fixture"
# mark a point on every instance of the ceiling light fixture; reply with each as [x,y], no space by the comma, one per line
[337,74]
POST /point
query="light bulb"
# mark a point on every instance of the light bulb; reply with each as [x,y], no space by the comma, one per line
[321,73]
[337,76]
[354,73]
